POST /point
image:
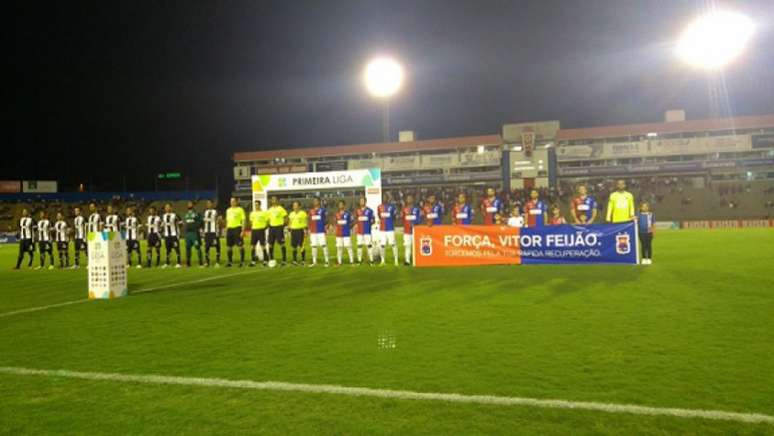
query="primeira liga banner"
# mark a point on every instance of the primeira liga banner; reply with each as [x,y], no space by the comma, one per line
[500,245]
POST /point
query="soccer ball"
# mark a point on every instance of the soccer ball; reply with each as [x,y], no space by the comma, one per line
[272,263]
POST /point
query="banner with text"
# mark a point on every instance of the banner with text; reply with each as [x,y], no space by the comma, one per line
[499,245]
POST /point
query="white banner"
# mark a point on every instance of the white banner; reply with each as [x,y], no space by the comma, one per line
[369,180]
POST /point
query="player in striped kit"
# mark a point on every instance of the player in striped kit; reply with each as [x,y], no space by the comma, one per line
[462,213]
[344,233]
[433,211]
[171,230]
[62,242]
[153,236]
[412,215]
[111,220]
[79,233]
[212,223]
[583,207]
[492,208]
[318,215]
[95,220]
[43,227]
[132,228]
[387,213]
[536,210]
[26,241]
[364,217]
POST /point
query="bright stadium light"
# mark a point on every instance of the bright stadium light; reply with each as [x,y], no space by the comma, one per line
[383,77]
[715,39]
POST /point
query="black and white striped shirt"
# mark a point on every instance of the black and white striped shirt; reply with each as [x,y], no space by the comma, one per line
[111,223]
[78,226]
[210,221]
[132,225]
[25,228]
[44,230]
[60,229]
[170,224]
[94,222]
[154,224]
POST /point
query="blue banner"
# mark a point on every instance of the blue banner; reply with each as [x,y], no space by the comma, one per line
[8,238]
[594,243]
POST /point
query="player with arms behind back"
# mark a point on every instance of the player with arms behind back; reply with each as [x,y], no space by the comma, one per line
[536,210]
[583,207]
[364,217]
[44,241]
[491,208]
[412,216]
[212,224]
[344,233]
[387,213]
[318,216]
[132,228]
[462,213]
[79,233]
[170,223]
[62,240]
[153,236]
[433,211]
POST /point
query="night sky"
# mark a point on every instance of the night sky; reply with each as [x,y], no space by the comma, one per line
[107,91]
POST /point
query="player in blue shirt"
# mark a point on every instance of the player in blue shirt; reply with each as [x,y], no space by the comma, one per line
[536,210]
[318,220]
[583,207]
[645,226]
[412,216]
[462,213]
[433,211]
[344,233]
[364,216]
[387,214]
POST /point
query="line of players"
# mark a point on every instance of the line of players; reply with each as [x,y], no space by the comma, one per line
[373,231]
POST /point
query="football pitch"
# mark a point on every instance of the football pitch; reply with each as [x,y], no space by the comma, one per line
[189,350]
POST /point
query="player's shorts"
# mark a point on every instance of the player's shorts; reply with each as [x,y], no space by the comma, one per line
[27,245]
[44,246]
[296,237]
[193,240]
[276,234]
[387,237]
[211,240]
[258,236]
[132,244]
[408,239]
[62,245]
[80,244]
[154,240]
[171,242]
[318,240]
[343,241]
[363,239]
[234,237]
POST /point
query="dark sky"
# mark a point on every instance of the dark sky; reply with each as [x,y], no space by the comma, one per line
[109,90]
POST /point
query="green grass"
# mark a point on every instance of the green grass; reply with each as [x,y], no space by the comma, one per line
[695,330]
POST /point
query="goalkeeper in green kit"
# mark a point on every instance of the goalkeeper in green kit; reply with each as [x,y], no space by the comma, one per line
[193,226]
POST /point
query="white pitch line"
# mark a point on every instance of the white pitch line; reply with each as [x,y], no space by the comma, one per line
[753,418]
[84,300]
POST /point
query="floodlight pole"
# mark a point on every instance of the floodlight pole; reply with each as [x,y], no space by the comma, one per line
[386,120]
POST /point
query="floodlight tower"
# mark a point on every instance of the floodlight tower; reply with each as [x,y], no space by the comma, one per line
[711,42]
[383,77]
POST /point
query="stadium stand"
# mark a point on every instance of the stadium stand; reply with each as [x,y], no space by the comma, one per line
[687,169]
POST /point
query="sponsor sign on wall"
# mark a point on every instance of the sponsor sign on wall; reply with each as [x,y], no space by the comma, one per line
[655,147]
[10,186]
[39,186]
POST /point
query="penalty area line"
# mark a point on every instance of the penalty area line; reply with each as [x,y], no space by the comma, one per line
[139,291]
[753,418]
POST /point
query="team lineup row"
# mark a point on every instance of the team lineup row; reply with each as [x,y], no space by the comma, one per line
[374,231]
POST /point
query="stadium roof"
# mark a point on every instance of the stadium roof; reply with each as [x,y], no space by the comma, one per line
[388,147]
[749,122]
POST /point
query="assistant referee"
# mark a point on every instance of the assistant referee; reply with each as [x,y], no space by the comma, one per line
[235,225]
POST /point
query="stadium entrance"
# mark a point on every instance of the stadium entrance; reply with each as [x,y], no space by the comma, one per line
[348,183]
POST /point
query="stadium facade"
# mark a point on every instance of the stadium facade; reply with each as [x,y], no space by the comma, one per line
[541,154]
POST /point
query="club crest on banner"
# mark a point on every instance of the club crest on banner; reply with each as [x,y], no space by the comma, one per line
[623,243]
[426,246]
